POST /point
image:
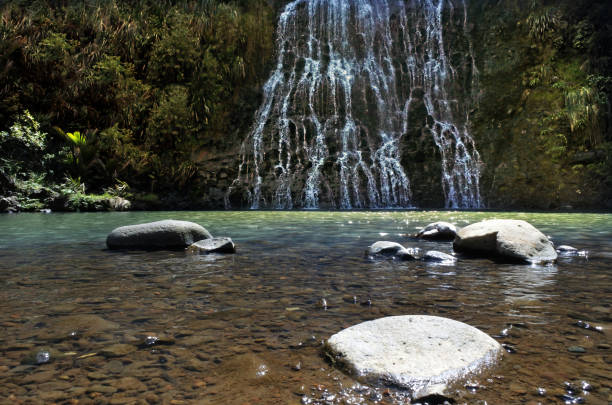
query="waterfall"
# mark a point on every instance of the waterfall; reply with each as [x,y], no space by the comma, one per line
[337,105]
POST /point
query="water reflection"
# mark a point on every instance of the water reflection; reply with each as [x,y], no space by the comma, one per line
[528,282]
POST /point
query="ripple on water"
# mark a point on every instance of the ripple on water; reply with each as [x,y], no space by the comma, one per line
[230,315]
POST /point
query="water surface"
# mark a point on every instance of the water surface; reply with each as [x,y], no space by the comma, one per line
[247,328]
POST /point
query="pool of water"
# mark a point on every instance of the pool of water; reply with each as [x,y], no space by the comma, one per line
[247,328]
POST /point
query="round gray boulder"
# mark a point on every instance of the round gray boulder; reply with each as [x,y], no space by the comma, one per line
[423,354]
[212,245]
[167,234]
[443,231]
[514,240]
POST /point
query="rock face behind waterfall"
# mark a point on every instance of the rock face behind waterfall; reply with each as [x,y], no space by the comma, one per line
[364,108]
[167,234]
[510,239]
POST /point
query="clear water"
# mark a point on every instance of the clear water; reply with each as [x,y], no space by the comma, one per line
[246,328]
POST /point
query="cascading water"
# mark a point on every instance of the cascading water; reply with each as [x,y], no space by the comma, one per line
[336,108]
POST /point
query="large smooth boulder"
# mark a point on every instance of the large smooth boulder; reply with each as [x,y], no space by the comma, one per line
[442,231]
[515,240]
[423,354]
[167,234]
[212,245]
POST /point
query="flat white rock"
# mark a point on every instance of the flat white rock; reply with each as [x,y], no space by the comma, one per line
[420,353]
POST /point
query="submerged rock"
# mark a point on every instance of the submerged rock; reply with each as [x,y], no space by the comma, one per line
[167,234]
[213,245]
[408,254]
[70,327]
[420,353]
[386,248]
[443,231]
[117,350]
[510,239]
[41,356]
[439,257]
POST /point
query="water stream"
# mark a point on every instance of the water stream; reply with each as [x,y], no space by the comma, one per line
[338,104]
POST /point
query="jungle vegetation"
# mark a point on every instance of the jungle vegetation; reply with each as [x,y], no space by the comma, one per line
[106,93]
[131,97]
[543,121]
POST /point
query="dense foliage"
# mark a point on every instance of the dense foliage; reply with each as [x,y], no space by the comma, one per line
[146,86]
[108,96]
[544,119]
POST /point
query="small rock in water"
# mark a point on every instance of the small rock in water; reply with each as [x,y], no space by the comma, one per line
[151,339]
[323,304]
[384,248]
[565,250]
[439,257]
[442,231]
[408,254]
[576,349]
[213,245]
[570,399]
[42,357]
[367,303]
[588,326]
[392,249]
